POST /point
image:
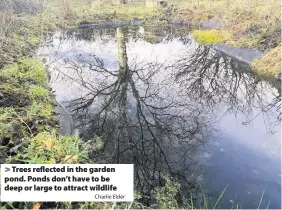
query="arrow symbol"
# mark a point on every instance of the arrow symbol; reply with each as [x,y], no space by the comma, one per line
[7,169]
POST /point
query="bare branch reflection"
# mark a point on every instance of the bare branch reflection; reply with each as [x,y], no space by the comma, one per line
[157,115]
[140,117]
[218,81]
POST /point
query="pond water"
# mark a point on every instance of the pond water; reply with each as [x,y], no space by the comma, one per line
[154,97]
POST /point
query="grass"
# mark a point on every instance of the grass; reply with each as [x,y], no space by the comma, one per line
[27,69]
[26,106]
[252,23]
[270,64]
[129,12]
[260,200]
[219,198]
[20,36]
[36,91]
[40,109]
[88,11]
[50,148]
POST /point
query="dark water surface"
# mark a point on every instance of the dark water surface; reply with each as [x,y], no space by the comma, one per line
[155,98]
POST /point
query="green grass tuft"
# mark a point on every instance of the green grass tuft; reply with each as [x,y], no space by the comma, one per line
[50,148]
[27,69]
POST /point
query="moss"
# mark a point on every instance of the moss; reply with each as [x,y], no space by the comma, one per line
[270,64]
[208,37]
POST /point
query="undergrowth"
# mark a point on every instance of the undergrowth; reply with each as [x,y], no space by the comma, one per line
[252,23]
[21,35]
[51,148]
[26,105]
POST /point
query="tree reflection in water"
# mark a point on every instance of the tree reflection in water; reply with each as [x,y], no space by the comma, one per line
[218,81]
[141,118]
[159,116]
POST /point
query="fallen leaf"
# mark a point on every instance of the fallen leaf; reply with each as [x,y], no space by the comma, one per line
[36,206]
[49,143]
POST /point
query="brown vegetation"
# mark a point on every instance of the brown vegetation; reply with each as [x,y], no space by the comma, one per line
[270,64]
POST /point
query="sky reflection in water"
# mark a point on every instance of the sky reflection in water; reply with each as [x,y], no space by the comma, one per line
[216,123]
